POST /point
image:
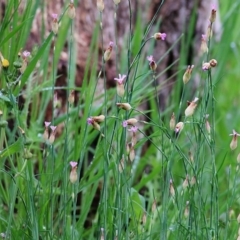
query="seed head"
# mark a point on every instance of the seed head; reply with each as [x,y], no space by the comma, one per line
[213,62]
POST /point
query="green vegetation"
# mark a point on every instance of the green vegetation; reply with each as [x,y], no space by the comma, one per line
[113,169]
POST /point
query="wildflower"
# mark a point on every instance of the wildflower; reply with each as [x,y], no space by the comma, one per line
[120,85]
[191,107]
[4,62]
[213,14]
[213,62]
[206,66]
[160,36]
[71,11]
[71,97]
[52,135]
[233,144]
[172,121]
[46,131]
[99,118]
[152,63]
[108,52]
[179,127]
[171,188]
[204,47]
[132,153]
[130,121]
[125,106]
[100,5]
[54,23]
[73,174]
[25,56]
[187,74]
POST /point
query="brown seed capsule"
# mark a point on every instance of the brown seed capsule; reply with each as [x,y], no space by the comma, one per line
[213,62]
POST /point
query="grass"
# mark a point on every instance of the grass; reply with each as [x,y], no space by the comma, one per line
[147,182]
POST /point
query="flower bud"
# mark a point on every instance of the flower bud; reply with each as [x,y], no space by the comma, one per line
[234,143]
[73,174]
[54,23]
[120,90]
[213,62]
[132,121]
[171,188]
[185,182]
[160,36]
[108,52]
[191,108]
[187,74]
[99,118]
[125,106]
[179,127]
[152,63]
[71,11]
[213,14]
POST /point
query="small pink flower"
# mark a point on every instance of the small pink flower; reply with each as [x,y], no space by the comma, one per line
[120,79]
[111,44]
[54,16]
[25,54]
[160,36]
[47,124]
[73,164]
[150,59]
[124,123]
[133,129]
[90,121]
[204,37]
[53,128]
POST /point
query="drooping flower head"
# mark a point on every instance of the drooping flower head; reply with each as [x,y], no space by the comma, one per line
[160,36]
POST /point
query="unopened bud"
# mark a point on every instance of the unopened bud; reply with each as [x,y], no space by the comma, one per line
[71,11]
[187,74]
[120,90]
[99,118]
[125,106]
[234,143]
[108,52]
[213,14]
[54,23]
[171,188]
[185,182]
[73,174]
[179,127]
[213,62]
[206,66]
[191,108]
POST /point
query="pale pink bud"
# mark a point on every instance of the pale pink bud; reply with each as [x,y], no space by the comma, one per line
[206,66]
[100,5]
[54,23]
[71,11]
[108,52]
[152,63]
[187,74]
[125,106]
[99,118]
[191,108]
[213,14]
[234,143]
[73,174]
[179,127]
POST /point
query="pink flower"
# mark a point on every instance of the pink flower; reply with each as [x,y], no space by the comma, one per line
[150,59]
[47,124]
[124,123]
[53,128]
[73,164]
[25,54]
[120,79]
[111,44]
[133,129]
[54,16]
[159,36]
[204,37]
[90,121]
